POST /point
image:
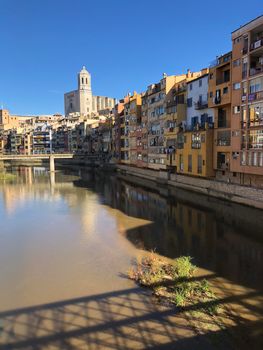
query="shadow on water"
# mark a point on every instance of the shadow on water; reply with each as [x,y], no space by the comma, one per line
[125,319]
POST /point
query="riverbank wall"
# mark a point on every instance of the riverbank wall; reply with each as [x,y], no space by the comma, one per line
[235,193]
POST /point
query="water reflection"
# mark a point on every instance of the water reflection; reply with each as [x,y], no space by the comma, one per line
[222,237]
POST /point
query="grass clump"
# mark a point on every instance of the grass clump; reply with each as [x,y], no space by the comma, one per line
[174,282]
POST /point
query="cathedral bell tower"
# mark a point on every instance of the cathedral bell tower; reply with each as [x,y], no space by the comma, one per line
[84,81]
[85,93]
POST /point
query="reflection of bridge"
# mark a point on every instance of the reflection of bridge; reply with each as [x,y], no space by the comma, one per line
[31,157]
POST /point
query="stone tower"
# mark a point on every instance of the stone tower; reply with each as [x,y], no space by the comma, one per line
[85,93]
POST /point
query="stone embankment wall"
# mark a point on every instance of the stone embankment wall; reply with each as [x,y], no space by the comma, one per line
[235,193]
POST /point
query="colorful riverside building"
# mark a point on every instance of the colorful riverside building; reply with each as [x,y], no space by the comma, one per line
[246,162]
[156,100]
[156,104]
[175,118]
[219,99]
[129,124]
[194,153]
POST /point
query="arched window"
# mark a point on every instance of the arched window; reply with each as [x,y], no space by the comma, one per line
[82,79]
[86,80]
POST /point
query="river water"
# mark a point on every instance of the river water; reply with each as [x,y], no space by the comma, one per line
[76,234]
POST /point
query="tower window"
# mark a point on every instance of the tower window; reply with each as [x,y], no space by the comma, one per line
[82,79]
[86,80]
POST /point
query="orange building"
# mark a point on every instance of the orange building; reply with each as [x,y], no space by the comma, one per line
[246,162]
[219,98]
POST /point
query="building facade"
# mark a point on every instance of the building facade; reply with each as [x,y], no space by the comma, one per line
[246,163]
[219,99]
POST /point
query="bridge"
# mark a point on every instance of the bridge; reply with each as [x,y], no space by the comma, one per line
[30,157]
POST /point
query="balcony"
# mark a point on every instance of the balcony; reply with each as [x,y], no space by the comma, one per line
[201,105]
[256,70]
[256,44]
[255,96]
[220,81]
[223,138]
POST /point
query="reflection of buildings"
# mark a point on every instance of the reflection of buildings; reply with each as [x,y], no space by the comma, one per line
[222,237]
[216,236]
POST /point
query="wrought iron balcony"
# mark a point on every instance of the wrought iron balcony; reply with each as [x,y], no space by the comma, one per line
[201,104]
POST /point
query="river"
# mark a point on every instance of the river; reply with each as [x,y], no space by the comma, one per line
[74,235]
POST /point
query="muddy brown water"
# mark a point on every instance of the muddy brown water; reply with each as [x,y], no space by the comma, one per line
[66,242]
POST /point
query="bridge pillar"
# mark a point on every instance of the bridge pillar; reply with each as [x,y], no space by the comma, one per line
[51,164]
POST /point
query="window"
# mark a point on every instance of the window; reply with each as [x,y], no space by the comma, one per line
[255,139]
[189,102]
[196,141]
[226,76]
[200,82]
[222,118]
[256,114]
[260,159]
[189,163]
[225,90]
[211,94]
[254,157]
[194,121]
[237,40]
[244,67]
[191,87]
[243,158]
[236,86]
[211,75]
[256,85]
[236,63]
[223,138]
[236,109]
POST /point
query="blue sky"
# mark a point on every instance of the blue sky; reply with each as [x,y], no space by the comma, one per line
[125,45]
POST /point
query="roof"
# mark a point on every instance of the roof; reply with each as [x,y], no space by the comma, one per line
[84,70]
[247,24]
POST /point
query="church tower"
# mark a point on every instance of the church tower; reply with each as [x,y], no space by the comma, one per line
[85,93]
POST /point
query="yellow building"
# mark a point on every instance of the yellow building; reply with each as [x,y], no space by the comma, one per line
[194,154]
[175,116]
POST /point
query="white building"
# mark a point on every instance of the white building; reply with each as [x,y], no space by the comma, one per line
[82,102]
[198,113]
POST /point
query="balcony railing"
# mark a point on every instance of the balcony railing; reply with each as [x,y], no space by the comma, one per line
[201,104]
[223,142]
[257,70]
[255,96]
[222,81]
[256,44]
